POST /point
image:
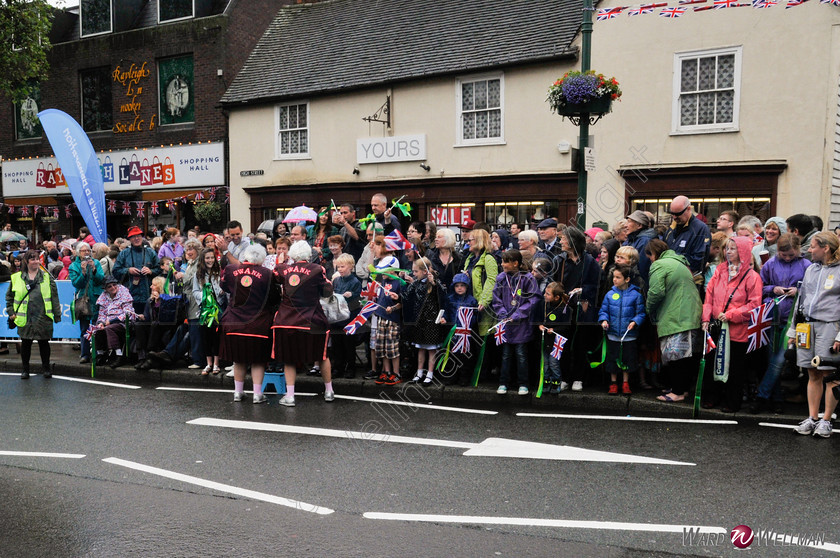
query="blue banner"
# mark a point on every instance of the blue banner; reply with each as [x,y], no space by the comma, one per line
[80,166]
[62,330]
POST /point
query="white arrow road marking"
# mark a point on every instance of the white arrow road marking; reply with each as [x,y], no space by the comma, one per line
[96,382]
[42,454]
[627,418]
[271,499]
[491,447]
[536,522]
[417,405]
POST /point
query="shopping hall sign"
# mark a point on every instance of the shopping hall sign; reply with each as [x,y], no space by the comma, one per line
[188,166]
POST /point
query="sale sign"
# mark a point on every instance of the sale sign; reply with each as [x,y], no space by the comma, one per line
[452,216]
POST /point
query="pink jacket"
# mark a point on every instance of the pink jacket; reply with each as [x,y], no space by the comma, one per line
[747,293]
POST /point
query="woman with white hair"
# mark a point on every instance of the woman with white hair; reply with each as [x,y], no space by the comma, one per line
[246,323]
[86,275]
[300,325]
[529,242]
[445,259]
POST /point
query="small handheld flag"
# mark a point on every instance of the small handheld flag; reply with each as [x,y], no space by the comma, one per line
[559,345]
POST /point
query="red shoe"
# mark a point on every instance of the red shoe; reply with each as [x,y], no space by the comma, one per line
[392,380]
[625,388]
[613,389]
[382,379]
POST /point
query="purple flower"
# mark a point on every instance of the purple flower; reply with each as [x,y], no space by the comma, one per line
[579,89]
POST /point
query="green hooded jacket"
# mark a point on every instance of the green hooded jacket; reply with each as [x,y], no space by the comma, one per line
[673,303]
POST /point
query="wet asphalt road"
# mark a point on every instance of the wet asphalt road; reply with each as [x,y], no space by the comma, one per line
[763,477]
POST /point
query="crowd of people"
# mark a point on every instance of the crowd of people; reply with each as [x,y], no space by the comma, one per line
[636,307]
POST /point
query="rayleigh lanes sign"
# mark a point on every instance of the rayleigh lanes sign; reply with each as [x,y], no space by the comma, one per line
[188,166]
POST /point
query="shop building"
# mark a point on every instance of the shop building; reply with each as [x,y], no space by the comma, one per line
[144,79]
[445,102]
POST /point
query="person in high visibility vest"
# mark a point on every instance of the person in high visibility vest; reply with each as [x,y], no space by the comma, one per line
[32,302]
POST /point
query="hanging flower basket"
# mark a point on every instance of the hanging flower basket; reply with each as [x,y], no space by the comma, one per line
[583,93]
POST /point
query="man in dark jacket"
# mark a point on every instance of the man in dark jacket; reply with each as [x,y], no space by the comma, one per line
[688,236]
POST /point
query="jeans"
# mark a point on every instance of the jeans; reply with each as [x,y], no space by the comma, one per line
[553,375]
[770,386]
[521,351]
[177,346]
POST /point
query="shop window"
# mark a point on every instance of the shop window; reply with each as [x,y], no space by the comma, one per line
[95,17]
[27,124]
[173,10]
[706,91]
[527,214]
[708,208]
[292,124]
[176,91]
[479,108]
[97,113]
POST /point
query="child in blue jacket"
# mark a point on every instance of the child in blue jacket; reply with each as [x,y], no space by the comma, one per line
[622,312]
[460,364]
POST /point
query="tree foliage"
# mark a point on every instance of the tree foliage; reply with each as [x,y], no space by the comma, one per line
[24,42]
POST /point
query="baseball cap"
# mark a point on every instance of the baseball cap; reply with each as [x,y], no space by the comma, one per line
[133,231]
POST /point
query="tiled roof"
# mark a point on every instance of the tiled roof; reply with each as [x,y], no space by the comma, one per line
[338,45]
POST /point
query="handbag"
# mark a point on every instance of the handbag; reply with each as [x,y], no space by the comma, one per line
[81,306]
[335,308]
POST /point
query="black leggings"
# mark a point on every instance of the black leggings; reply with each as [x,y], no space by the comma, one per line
[26,351]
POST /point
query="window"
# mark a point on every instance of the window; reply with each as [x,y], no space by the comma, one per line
[27,124]
[176,93]
[292,131]
[480,111]
[172,10]
[95,17]
[710,208]
[707,89]
[97,113]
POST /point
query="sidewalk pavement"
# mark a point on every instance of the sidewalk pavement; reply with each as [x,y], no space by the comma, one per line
[591,400]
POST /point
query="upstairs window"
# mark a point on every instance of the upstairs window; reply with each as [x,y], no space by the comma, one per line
[27,123]
[292,123]
[95,17]
[707,91]
[97,106]
[173,10]
[480,118]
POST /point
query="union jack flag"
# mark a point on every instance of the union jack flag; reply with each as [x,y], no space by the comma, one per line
[126,208]
[154,209]
[67,209]
[499,335]
[761,322]
[11,208]
[645,9]
[559,345]
[689,2]
[720,4]
[24,210]
[607,13]
[395,241]
[792,3]
[212,195]
[90,331]
[55,212]
[355,324]
[36,209]
[112,206]
[199,196]
[832,2]
[462,330]
[764,3]
[672,12]
[371,292]
[710,344]
[368,309]
[141,209]
[227,197]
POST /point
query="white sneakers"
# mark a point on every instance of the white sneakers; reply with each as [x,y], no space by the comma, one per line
[577,386]
[523,390]
[287,401]
[237,396]
[329,396]
[502,390]
[261,398]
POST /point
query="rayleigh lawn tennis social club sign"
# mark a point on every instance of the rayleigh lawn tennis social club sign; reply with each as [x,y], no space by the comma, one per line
[188,166]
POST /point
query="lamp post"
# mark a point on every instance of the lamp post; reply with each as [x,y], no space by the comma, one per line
[583,140]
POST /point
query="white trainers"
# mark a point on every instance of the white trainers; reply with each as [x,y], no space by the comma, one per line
[823,429]
[229,374]
[237,396]
[502,390]
[523,390]
[329,396]
[261,398]
[806,427]
[564,386]
[577,386]
[287,401]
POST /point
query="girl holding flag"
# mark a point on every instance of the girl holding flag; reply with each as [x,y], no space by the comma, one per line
[733,291]
[207,289]
[424,299]
[516,291]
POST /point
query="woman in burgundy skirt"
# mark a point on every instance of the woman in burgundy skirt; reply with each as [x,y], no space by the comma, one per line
[245,326]
[301,330]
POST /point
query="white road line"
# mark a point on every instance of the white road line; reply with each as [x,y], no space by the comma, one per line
[330,433]
[627,418]
[777,425]
[271,499]
[219,390]
[96,382]
[42,454]
[536,522]
[417,405]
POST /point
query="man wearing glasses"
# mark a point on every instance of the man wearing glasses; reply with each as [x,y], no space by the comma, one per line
[354,238]
[688,236]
